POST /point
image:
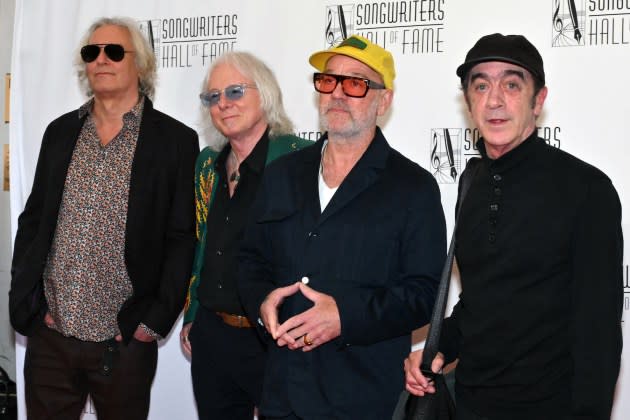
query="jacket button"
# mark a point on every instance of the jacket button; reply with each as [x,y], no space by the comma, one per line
[305,280]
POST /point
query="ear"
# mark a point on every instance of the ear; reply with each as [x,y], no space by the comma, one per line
[385,101]
[540,100]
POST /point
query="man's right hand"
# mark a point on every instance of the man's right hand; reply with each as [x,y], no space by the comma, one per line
[183,335]
[415,382]
[269,310]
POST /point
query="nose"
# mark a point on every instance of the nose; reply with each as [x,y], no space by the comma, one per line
[496,97]
[101,57]
[338,91]
[223,101]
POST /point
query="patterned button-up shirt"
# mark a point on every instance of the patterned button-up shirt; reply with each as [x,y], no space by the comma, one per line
[85,279]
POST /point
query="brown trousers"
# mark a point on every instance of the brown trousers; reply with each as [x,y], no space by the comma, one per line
[60,372]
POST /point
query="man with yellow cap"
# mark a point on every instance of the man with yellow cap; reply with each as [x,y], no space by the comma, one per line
[342,256]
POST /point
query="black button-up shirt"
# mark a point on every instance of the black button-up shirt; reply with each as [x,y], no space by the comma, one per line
[225,225]
[539,249]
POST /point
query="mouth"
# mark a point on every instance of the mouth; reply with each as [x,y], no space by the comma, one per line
[229,117]
[337,106]
[337,110]
[496,121]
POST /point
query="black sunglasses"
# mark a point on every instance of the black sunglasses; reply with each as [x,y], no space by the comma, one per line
[352,86]
[114,52]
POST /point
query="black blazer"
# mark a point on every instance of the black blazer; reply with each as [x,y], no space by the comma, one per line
[378,249]
[159,239]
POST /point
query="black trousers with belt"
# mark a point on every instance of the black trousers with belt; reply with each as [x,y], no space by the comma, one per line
[227,367]
[60,372]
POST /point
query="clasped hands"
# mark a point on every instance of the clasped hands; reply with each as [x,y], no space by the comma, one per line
[307,330]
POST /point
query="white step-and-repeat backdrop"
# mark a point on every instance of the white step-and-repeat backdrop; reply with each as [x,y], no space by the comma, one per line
[585,45]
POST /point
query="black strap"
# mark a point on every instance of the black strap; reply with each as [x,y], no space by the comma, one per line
[437,317]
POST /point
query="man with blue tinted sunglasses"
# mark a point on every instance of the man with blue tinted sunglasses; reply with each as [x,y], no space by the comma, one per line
[247,128]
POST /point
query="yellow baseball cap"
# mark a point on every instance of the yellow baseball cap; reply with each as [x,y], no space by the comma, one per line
[359,48]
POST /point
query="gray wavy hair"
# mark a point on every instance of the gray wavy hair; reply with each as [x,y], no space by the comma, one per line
[144,56]
[268,89]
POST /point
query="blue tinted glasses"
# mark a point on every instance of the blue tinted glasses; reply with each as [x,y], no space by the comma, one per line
[232,93]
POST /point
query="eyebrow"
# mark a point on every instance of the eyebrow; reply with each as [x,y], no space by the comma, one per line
[352,74]
[509,72]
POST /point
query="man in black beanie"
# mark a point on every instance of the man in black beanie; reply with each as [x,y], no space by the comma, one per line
[537,329]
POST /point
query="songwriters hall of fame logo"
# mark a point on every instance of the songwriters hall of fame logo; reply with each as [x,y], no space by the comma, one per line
[404,27]
[183,42]
[446,146]
[339,23]
[568,23]
[590,22]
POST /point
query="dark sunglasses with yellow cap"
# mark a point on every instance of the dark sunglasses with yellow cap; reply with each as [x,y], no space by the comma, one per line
[352,86]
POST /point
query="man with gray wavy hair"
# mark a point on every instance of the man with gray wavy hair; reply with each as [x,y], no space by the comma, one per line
[105,243]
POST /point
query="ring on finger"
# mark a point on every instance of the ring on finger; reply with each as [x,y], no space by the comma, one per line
[306,340]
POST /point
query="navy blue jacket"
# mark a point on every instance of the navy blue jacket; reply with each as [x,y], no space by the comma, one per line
[378,249]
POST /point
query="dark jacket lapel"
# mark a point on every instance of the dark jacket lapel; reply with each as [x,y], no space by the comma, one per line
[365,173]
[143,156]
[306,187]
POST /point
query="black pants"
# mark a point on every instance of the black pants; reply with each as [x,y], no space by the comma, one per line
[463,412]
[552,408]
[227,367]
[60,372]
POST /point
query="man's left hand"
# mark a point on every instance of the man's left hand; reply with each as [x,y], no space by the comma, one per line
[315,326]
